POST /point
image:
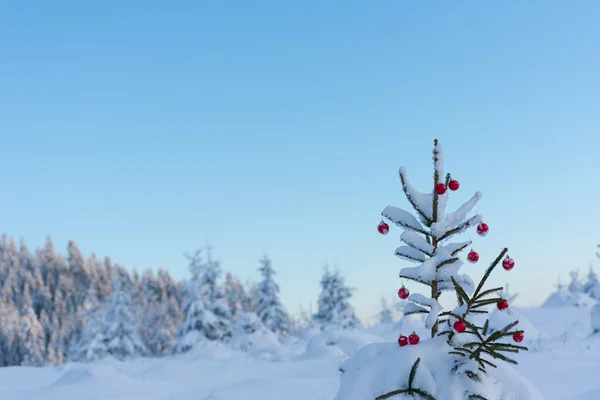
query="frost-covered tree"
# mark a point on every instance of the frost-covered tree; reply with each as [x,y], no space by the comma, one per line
[270,310]
[235,295]
[575,285]
[334,309]
[250,333]
[591,286]
[462,360]
[386,315]
[205,314]
[32,349]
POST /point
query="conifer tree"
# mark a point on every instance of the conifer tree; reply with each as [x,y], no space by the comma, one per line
[461,358]
[334,309]
[32,349]
[270,310]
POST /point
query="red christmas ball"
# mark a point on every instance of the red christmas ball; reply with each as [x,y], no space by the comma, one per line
[453,185]
[383,228]
[402,341]
[403,293]
[460,326]
[482,229]
[473,257]
[518,337]
[502,305]
[413,338]
[440,188]
[508,263]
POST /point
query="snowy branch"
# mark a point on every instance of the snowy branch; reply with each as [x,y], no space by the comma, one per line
[421,202]
[417,242]
[403,218]
[410,254]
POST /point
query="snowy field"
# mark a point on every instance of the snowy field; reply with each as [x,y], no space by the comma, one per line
[564,363]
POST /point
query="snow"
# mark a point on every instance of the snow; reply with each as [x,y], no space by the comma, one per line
[565,298]
[417,242]
[564,366]
[402,218]
[422,201]
[434,306]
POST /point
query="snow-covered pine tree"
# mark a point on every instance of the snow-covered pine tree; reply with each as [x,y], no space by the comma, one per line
[234,294]
[270,310]
[334,309]
[386,316]
[92,344]
[460,361]
[32,349]
[205,314]
[10,331]
[575,285]
[250,333]
[591,287]
[121,334]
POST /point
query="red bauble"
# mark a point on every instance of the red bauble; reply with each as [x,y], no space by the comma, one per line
[440,188]
[453,185]
[518,337]
[413,338]
[403,293]
[402,341]
[502,305]
[473,257]
[482,229]
[460,326]
[508,263]
[383,228]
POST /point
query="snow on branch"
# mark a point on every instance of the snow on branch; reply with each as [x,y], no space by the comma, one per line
[428,269]
[413,308]
[455,248]
[417,242]
[410,254]
[438,161]
[421,202]
[433,304]
[455,218]
[403,218]
[473,221]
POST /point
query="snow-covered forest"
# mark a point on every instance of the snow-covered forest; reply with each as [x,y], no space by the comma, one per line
[74,307]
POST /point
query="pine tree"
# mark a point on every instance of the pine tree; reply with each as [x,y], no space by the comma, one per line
[234,293]
[575,286]
[334,309]
[591,285]
[32,349]
[10,331]
[205,314]
[92,344]
[270,310]
[386,314]
[459,361]
[121,334]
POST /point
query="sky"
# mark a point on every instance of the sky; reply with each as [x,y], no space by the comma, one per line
[143,130]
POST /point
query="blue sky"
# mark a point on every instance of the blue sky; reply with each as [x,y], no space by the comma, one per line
[143,129]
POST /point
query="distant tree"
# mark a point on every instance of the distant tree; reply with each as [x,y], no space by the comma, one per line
[32,349]
[386,314]
[575,286]
[334,309]
[205,314]
[590,287]
[270,310]
[234,293]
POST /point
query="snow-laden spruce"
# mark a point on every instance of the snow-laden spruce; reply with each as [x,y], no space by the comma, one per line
[205,314]
[334,309]
[271,311]
[470,362]
[250,334]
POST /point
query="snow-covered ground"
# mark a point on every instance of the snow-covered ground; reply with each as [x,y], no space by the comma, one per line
[564,363]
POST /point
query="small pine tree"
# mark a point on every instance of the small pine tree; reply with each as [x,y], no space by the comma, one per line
[270,310]
[205,314]
[575,286]
[591,285]
[32,349]
[334,309]
[459,361]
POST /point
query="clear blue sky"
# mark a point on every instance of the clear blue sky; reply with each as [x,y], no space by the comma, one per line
[144,129]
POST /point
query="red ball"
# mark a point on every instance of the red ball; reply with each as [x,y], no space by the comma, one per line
[440,188]
[460,326]
[473,257]
[413,338]
[383,228]
[502,305]
[403,293]
[402,341]
[453,185]
[482,229]
[508,263]
[518,337]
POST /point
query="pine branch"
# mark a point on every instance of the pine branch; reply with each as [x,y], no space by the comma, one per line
[465,225]
[477,397]
[413,372]
[416,312]
[499,356]
[446,262]
[455,252]
[462,296]
[426,220]
[410,278]
[486,302]
[486,326]
[410,390]
[489,271]
[486,292]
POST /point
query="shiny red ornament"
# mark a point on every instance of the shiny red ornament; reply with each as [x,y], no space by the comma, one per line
[440,188]
[402,340]
[403,293]
[453,185]
[383,228]
[413,338]
[518,337]
[508,263]
[482,229]
[473,257]
[460,326]
[502,305]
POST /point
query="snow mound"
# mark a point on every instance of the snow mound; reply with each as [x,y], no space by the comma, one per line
[337,344]
[565,298]
[499,319]
[250,335]
[76,375]
[595,318]
[367,374]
